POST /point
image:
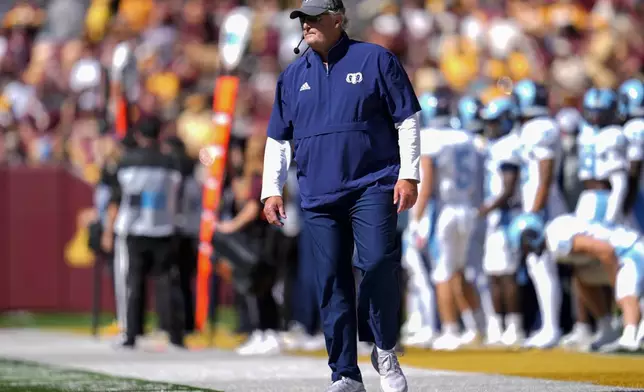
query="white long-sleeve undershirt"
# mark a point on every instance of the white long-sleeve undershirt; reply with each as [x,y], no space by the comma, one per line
[409,146]
[277,159]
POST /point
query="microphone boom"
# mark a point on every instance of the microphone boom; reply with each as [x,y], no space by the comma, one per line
[296,49]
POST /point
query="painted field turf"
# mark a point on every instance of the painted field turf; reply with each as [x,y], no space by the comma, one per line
[20,376]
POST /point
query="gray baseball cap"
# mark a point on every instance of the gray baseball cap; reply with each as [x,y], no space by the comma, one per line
[316,7]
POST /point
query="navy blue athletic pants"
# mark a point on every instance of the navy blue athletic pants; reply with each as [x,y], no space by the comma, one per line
[367,218]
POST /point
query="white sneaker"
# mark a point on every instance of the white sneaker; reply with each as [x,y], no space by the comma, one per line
[314,343]
[447,342]
[512,336]
[469,338]
[346,385]
[623,344]
[628,344]
[493,333]
[175,348]
[421,339]
[543,339]
[392,378]
[294,338]
[249,347]
[579,338]
[270,345]
[413,324]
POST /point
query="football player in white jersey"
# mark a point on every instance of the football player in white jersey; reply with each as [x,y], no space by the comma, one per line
[619,250]
[468,118]
[451,176]
[501,202]
[631,108]
[540,154]
[603,167]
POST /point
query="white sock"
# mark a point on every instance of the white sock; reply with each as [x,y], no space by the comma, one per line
[468,320]
[543,273]
[630,332]
[451,329]
[514,320]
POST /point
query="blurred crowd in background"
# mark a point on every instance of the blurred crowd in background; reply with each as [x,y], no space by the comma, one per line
[54,57]
[52,106]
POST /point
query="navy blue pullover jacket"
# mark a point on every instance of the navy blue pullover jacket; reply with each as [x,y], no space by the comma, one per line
[342,119]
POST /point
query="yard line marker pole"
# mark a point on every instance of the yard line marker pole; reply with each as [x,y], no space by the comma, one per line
[234,37]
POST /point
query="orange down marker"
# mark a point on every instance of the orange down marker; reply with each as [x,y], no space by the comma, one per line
[214,156]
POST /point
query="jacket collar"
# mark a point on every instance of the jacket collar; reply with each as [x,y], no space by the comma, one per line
[338,50]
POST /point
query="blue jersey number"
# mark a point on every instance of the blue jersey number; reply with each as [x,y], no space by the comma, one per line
[464,161]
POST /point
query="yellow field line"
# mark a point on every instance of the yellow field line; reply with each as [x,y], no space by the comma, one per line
[624,371]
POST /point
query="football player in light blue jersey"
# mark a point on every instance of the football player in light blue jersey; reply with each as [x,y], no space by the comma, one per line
[501,202]
[540,152]
[631,108]
[602,159]
[603,167]
[452,177]
[619,250]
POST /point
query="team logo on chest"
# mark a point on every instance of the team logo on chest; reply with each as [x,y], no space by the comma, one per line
[354,78]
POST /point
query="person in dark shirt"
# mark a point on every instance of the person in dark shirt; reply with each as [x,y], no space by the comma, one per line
[141,227]
[187,226]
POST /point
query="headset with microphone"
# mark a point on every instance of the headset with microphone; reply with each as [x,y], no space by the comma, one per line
[296,49]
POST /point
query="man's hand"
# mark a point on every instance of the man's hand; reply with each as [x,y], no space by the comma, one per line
[405,194]
[274,210]
[107,241]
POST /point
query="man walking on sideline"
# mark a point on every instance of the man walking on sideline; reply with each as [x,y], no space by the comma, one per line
[346,105]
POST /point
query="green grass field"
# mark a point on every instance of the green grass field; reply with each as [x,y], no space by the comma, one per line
[17,376]
[226,318]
